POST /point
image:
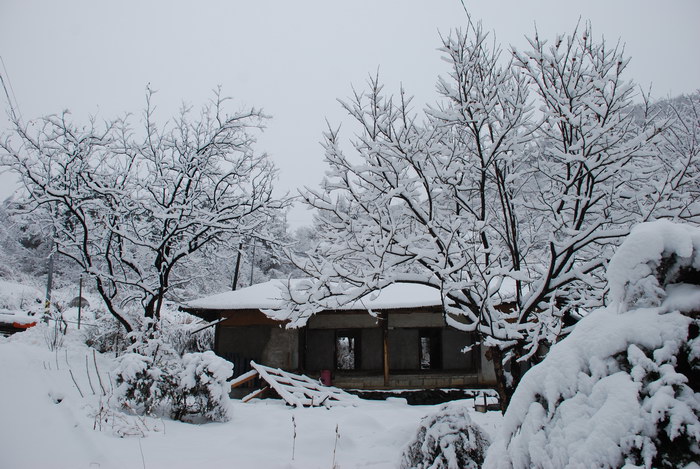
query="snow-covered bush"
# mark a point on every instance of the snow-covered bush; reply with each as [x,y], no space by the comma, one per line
[149,340]
[105,334]
[446,439]
[652,257]
[202,389]
[140,385]
[177,329]
[152,378]
[146,376]
[623,388]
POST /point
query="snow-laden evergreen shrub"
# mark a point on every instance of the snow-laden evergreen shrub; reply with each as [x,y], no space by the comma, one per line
[146,376]
[654,256]
[202,389]
[149,341]
[139,384]
[623,389]
[151,378]
[447,439]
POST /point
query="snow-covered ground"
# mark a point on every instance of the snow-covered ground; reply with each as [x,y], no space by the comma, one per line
[619,390]
[44,422]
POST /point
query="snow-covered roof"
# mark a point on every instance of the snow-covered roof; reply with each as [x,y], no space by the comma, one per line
[16,317]
[268,296]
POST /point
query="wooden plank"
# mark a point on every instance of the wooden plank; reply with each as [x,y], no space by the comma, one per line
[255,394]
[284,394]
[244,378]
[213,323]
[300,390]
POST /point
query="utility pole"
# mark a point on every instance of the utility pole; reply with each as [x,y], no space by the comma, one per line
[238,266]
[252,263]
[49,284]
[80,297]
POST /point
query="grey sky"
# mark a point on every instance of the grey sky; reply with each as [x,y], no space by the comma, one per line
[295,58]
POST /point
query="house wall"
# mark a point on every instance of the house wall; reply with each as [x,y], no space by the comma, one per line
[272,345]
[320,350]
[246,341]
[453,342]
[416,320]
[407,380]
[342,321]
[403,349]
[403,339]
[282,349]
[372,350]
[487,373]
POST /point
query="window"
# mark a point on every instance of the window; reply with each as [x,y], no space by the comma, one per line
[347,350]
[429,349]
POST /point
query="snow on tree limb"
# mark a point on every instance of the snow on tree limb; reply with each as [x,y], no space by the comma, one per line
[528,170]
[129,204]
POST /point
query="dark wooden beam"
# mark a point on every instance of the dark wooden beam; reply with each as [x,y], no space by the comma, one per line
[384,323]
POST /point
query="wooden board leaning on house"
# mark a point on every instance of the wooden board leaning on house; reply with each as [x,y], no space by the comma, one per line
[296,390]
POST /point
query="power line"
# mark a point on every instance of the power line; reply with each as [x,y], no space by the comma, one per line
[12,90]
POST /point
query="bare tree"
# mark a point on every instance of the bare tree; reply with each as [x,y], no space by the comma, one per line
[680,149]
[505,196]
[129,205]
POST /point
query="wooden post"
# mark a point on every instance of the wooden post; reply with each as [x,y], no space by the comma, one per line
[49,286]
[301,352]
[384,321]
[217,329]
[252,264]
[80,299]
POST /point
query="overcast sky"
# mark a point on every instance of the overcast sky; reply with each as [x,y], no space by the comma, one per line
[295,58]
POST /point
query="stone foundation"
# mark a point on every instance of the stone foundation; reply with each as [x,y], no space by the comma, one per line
[407,381]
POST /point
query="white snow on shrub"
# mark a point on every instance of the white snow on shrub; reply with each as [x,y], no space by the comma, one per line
[447,439]
[139,384]
[633,271]
[617,391]
[202,388]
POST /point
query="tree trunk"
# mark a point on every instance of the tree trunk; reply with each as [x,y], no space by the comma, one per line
[110,307]
[496,356]
[507,376]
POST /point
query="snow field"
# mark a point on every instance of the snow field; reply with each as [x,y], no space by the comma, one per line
[46,423]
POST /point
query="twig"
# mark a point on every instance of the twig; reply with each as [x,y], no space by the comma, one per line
[87,371]
[99,378]
[75,382]
[143,461]
[66,357]
[294,437]
[335,446]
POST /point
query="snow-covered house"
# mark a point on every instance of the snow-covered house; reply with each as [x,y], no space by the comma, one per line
[396,338]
